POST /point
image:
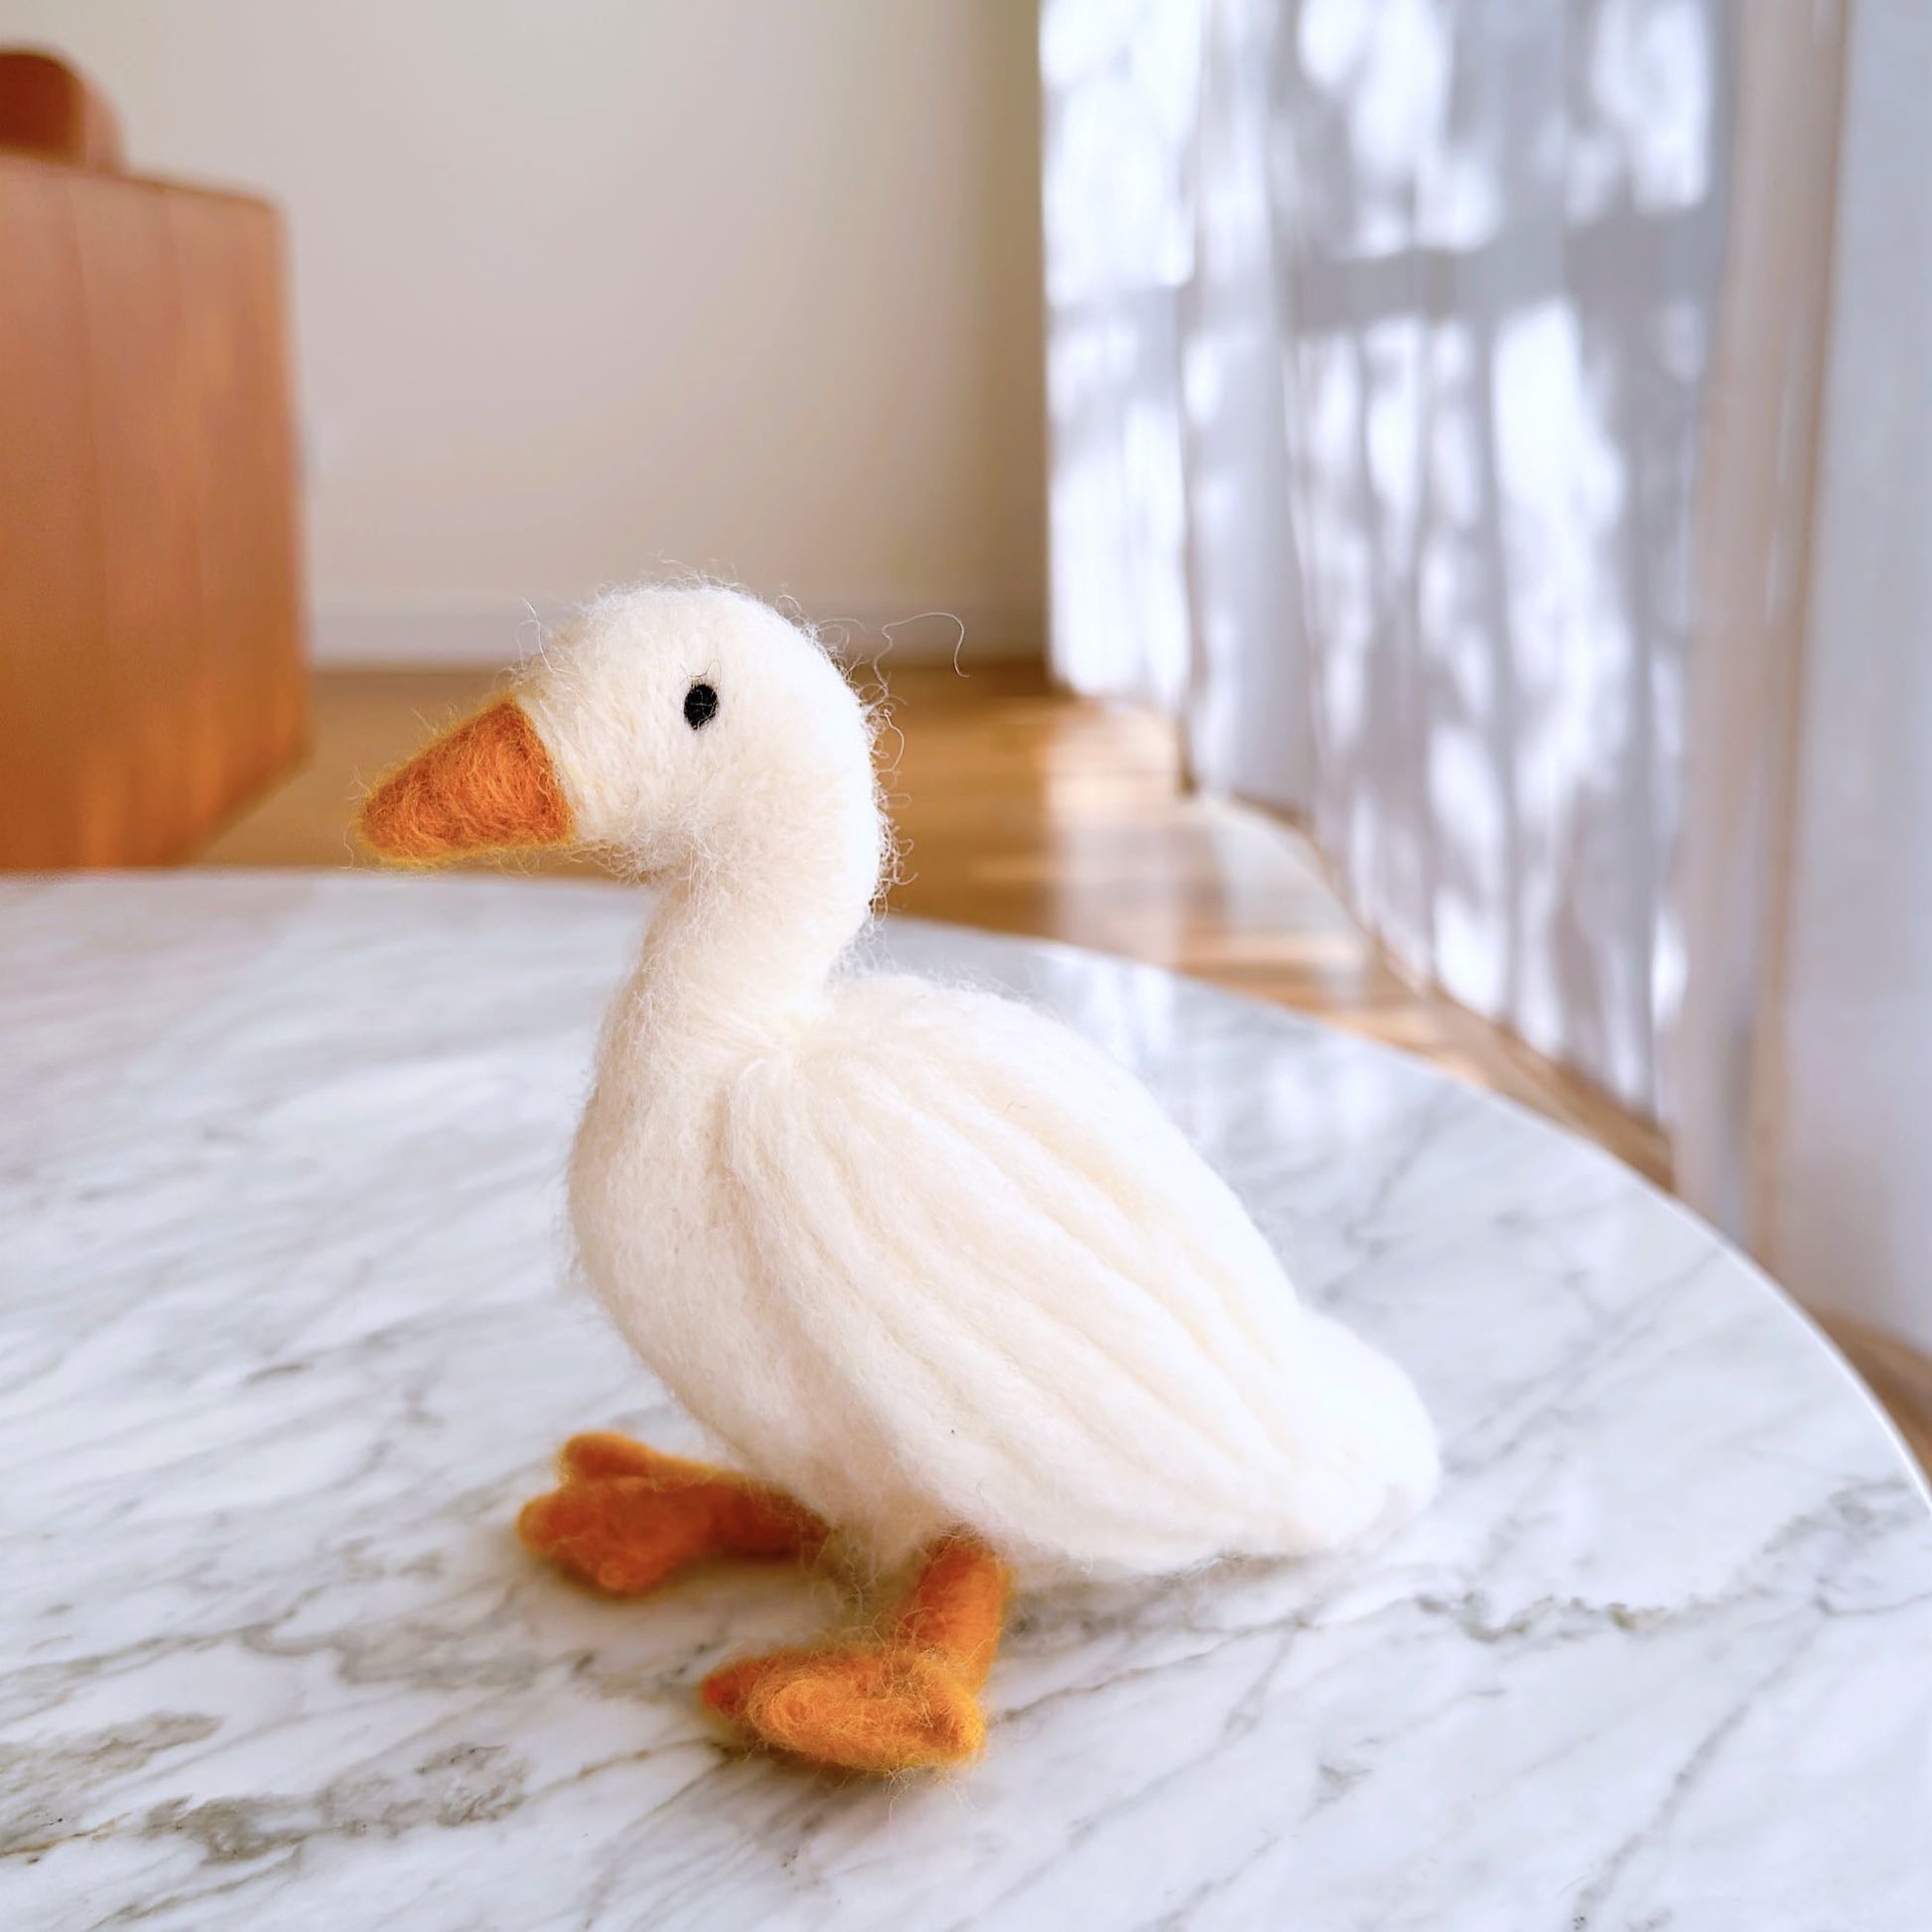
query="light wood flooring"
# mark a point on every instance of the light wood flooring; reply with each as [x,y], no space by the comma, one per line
[1024,810]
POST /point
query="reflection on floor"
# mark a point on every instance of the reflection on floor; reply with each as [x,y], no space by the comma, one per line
[1024,810]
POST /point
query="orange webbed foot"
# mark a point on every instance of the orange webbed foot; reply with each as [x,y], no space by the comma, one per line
[879,1709]
[626,1516]
[907,1702]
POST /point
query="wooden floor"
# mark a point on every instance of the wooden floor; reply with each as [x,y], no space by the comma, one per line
[1023,810]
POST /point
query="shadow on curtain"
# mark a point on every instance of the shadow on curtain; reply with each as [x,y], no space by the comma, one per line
[1378,345]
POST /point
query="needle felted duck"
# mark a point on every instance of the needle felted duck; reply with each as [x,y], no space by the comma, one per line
[952,1291]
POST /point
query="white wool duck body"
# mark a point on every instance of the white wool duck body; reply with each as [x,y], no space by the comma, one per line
[940,1275]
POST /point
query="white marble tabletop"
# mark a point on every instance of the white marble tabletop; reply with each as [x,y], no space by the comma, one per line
[286,1334]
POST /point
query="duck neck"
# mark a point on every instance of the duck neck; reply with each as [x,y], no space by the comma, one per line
[733,953]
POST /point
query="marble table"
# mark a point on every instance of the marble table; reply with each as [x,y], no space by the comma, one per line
[286,1331]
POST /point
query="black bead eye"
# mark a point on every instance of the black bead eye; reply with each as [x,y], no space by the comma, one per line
[700,706]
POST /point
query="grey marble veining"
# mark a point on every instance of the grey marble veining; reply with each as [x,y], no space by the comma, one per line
[285,1338]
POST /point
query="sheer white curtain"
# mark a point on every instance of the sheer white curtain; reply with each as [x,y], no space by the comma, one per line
[1377,336]
[1804,1058]
[1416,369]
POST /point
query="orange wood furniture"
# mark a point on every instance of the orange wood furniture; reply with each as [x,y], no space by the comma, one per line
[153,672]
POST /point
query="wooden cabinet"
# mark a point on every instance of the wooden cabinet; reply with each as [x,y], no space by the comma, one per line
[153,672]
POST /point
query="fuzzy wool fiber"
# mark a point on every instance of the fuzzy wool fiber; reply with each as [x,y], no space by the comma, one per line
[897,1694]
[940,1275]
[918,1255]
[486,786]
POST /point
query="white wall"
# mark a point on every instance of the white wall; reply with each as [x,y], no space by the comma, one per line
[588,286]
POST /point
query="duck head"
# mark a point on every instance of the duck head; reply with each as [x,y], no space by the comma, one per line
[690,734]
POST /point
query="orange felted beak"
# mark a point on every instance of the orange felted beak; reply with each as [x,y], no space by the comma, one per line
[487,785]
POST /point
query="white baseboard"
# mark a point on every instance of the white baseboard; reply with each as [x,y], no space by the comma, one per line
[403,636]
